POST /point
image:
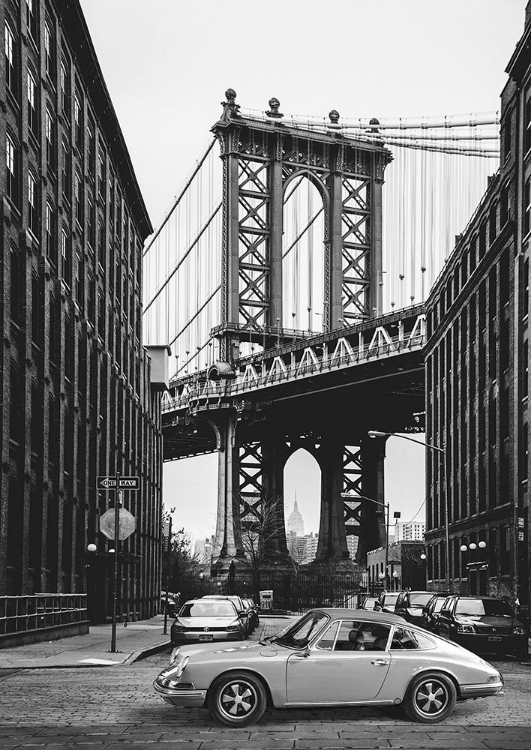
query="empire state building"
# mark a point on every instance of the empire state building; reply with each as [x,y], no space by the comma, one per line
[295,524]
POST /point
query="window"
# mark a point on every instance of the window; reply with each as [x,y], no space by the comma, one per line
[33,121]
[49,51]
[80,280]
[31,19]
[65,87]
[78,121]
[51,247]
[33,209]
[65,170]
[50,139]
[15,278]
[527,134]
[101,243]
[12,170]
[101,173]
[91,222]
[404,638]
[527,205]
[91,143]
[65,256]
[11,61]
[78,198]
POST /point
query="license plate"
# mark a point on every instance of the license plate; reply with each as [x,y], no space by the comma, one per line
[495,638]
[206,637]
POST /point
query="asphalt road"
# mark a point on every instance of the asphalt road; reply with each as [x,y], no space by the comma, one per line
[115,708]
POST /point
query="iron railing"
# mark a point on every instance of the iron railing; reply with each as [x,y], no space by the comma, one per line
[20,614]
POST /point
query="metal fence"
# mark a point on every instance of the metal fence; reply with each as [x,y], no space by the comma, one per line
[299,593]
[22,614]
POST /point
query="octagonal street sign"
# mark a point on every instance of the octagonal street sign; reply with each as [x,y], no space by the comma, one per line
[126,524]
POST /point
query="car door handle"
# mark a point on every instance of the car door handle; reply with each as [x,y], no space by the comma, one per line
[379,662]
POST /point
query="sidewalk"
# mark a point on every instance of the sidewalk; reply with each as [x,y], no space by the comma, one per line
[137,640]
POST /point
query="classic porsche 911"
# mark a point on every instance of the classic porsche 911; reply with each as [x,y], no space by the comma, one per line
[329,657]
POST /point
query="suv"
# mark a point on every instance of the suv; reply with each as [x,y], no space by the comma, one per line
[430,613]
[483,624]
[410,605]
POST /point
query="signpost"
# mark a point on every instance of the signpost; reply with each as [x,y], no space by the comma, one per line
[117,524]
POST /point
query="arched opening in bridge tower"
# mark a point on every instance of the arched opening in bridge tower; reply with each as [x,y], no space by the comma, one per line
[302,505]
[303,257]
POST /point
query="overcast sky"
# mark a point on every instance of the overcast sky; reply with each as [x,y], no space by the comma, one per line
[167,64]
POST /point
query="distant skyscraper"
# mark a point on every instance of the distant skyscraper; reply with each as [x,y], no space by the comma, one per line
[295,522]
[411,530]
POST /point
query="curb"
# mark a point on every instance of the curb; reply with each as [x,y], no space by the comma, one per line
[145,652]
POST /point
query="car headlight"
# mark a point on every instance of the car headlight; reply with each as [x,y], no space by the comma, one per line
[494,678]
[233,628]
[170,677]
[518,630]
[465,628]
[178,628]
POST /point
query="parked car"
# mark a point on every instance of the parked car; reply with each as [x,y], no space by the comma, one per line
[169,603]
[386,602]
[254,618]
[430,613]
[201,621]
[243,611]
[329,657]
[369,602]
[410,605]
[483,624]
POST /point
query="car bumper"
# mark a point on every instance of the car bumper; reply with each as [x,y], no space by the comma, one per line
[194,636]
[499,644]
[185,697]
[481,691]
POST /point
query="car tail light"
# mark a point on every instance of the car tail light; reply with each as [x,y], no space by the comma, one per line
[518,630]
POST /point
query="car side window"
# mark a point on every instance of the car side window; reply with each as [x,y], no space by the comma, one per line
[326,643]
[403,638]
[356,635]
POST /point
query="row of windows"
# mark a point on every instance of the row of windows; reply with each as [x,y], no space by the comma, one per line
[470,258]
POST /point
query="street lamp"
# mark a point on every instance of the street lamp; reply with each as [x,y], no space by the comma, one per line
[354,496]
[441,451]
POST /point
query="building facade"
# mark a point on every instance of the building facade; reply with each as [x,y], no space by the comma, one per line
[477,375]
[408,530]
[77,401]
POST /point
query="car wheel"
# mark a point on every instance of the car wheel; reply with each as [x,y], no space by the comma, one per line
[237,699]
[430,698]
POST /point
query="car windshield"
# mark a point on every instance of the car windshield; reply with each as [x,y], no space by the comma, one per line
[390,599]
[483,607]
[303,631]
[208,609]
[419,600]
[438,604]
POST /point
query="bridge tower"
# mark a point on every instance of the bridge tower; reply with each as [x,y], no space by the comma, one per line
[262,157]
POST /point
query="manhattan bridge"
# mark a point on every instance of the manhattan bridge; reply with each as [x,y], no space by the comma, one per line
[288,279]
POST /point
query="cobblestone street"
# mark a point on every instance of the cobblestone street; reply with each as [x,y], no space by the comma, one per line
[110,708]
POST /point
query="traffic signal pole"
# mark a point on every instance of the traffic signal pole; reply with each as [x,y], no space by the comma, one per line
[117,503]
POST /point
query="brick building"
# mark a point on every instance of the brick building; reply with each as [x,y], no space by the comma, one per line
[477,374]
[77,401]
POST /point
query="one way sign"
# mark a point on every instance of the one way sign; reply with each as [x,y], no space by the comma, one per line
[125,483]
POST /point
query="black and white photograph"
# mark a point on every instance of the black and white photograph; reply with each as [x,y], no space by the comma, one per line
[264,374]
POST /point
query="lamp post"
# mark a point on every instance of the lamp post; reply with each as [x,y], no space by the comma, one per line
[441,452]
[353,496]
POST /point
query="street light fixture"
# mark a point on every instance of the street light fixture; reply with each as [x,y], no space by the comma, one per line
[441,451]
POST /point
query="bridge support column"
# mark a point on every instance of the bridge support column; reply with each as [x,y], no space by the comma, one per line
[376,293]
[274,538]
[228,528]
[373,515]
[332,535]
